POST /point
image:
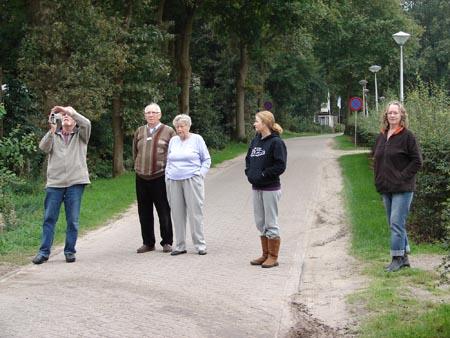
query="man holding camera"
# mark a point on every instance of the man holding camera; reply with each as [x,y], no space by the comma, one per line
[67,174]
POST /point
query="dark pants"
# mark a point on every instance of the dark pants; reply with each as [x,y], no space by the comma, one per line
[149,193]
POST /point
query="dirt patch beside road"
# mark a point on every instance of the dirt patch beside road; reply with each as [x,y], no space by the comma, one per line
[329,272]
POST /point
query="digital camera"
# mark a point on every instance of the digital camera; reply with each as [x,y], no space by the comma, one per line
[56,118]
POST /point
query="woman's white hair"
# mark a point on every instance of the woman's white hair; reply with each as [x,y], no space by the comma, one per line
[182,118]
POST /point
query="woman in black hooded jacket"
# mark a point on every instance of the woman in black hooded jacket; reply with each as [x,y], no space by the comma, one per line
[265,162]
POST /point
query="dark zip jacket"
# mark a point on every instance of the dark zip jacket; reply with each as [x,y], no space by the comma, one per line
[265,161]
[396,162]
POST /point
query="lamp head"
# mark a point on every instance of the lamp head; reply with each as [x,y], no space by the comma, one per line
[374,68]
[363,82]
[401,37]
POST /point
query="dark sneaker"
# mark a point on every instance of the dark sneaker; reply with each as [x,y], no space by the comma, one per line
[145,248]
[178,252]
[396,264]
[406,260]
[39,259]
[70,257]
[167,248]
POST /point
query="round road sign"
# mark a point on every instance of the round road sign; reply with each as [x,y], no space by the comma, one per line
[355,103]
[268,105]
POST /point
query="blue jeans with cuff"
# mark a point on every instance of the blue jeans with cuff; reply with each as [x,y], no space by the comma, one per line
[71,196]
[397,208]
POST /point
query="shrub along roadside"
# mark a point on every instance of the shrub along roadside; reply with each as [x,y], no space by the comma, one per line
[391,301]
[428,109]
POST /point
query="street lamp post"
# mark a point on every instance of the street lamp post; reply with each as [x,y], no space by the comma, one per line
[374,69]
[401,38]
[363,83]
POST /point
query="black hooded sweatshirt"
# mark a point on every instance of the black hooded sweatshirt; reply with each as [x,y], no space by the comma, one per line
[266,161]
[396,162]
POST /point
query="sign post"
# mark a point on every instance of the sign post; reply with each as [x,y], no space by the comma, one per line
[355,105]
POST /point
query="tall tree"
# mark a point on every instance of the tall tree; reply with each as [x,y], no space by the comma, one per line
[13,18]
[182,14]
[434,52]
[352,35]
[252,26]
[64,57]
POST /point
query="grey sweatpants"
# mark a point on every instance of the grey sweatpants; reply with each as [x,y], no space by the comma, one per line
[265,208]
[186,203]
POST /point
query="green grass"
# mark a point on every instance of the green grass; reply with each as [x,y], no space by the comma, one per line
[345,142]
[393,307]
[230,151]
[290,134]
[102,200]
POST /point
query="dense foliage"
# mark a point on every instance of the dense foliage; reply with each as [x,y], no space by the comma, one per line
[428,109]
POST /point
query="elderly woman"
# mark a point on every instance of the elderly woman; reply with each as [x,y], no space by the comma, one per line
[188,161]
[397,159]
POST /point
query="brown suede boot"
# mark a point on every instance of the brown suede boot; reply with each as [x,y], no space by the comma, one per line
[274,247]
[265,252]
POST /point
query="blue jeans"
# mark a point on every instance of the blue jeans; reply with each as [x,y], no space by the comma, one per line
[71,196]
[397,209]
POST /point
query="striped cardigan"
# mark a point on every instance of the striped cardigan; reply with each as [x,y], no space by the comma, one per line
[150,151]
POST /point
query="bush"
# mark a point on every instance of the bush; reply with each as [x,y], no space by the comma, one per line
[301,124]
[7,211]
[207,121]
[429,114]
[428,109]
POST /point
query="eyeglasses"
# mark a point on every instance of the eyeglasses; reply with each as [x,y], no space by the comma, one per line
[151,112]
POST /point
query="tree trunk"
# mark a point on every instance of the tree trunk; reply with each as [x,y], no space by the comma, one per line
[240,93]
[117,126]
[1,101]
[117,106]
[160,13]
[183,62]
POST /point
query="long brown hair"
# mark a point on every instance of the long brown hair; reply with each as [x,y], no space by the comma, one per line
[268,119]
[403,116]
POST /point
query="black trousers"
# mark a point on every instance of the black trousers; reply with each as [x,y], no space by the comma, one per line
[149,193]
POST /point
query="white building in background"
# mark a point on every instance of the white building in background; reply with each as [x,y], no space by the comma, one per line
[325,116]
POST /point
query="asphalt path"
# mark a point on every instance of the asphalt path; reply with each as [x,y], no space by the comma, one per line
[110,291]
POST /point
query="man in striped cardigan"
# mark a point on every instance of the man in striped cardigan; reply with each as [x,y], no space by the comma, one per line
[150,146]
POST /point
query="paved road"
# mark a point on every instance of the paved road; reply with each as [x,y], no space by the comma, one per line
[113,292]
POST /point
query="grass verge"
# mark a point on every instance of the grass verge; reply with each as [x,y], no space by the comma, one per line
[407,303]
[232,150]
[102,200]
[345,142]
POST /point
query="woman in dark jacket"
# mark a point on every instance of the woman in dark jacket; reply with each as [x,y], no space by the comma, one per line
[397,159]
[264,163]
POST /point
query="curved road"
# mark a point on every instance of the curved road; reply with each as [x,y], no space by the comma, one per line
[113,292]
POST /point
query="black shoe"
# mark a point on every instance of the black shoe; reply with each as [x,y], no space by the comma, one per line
[145,248]
[167,248]
[406,260]
[39,259]
[70,257]
[202,252]
[396,264]
[177,252]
